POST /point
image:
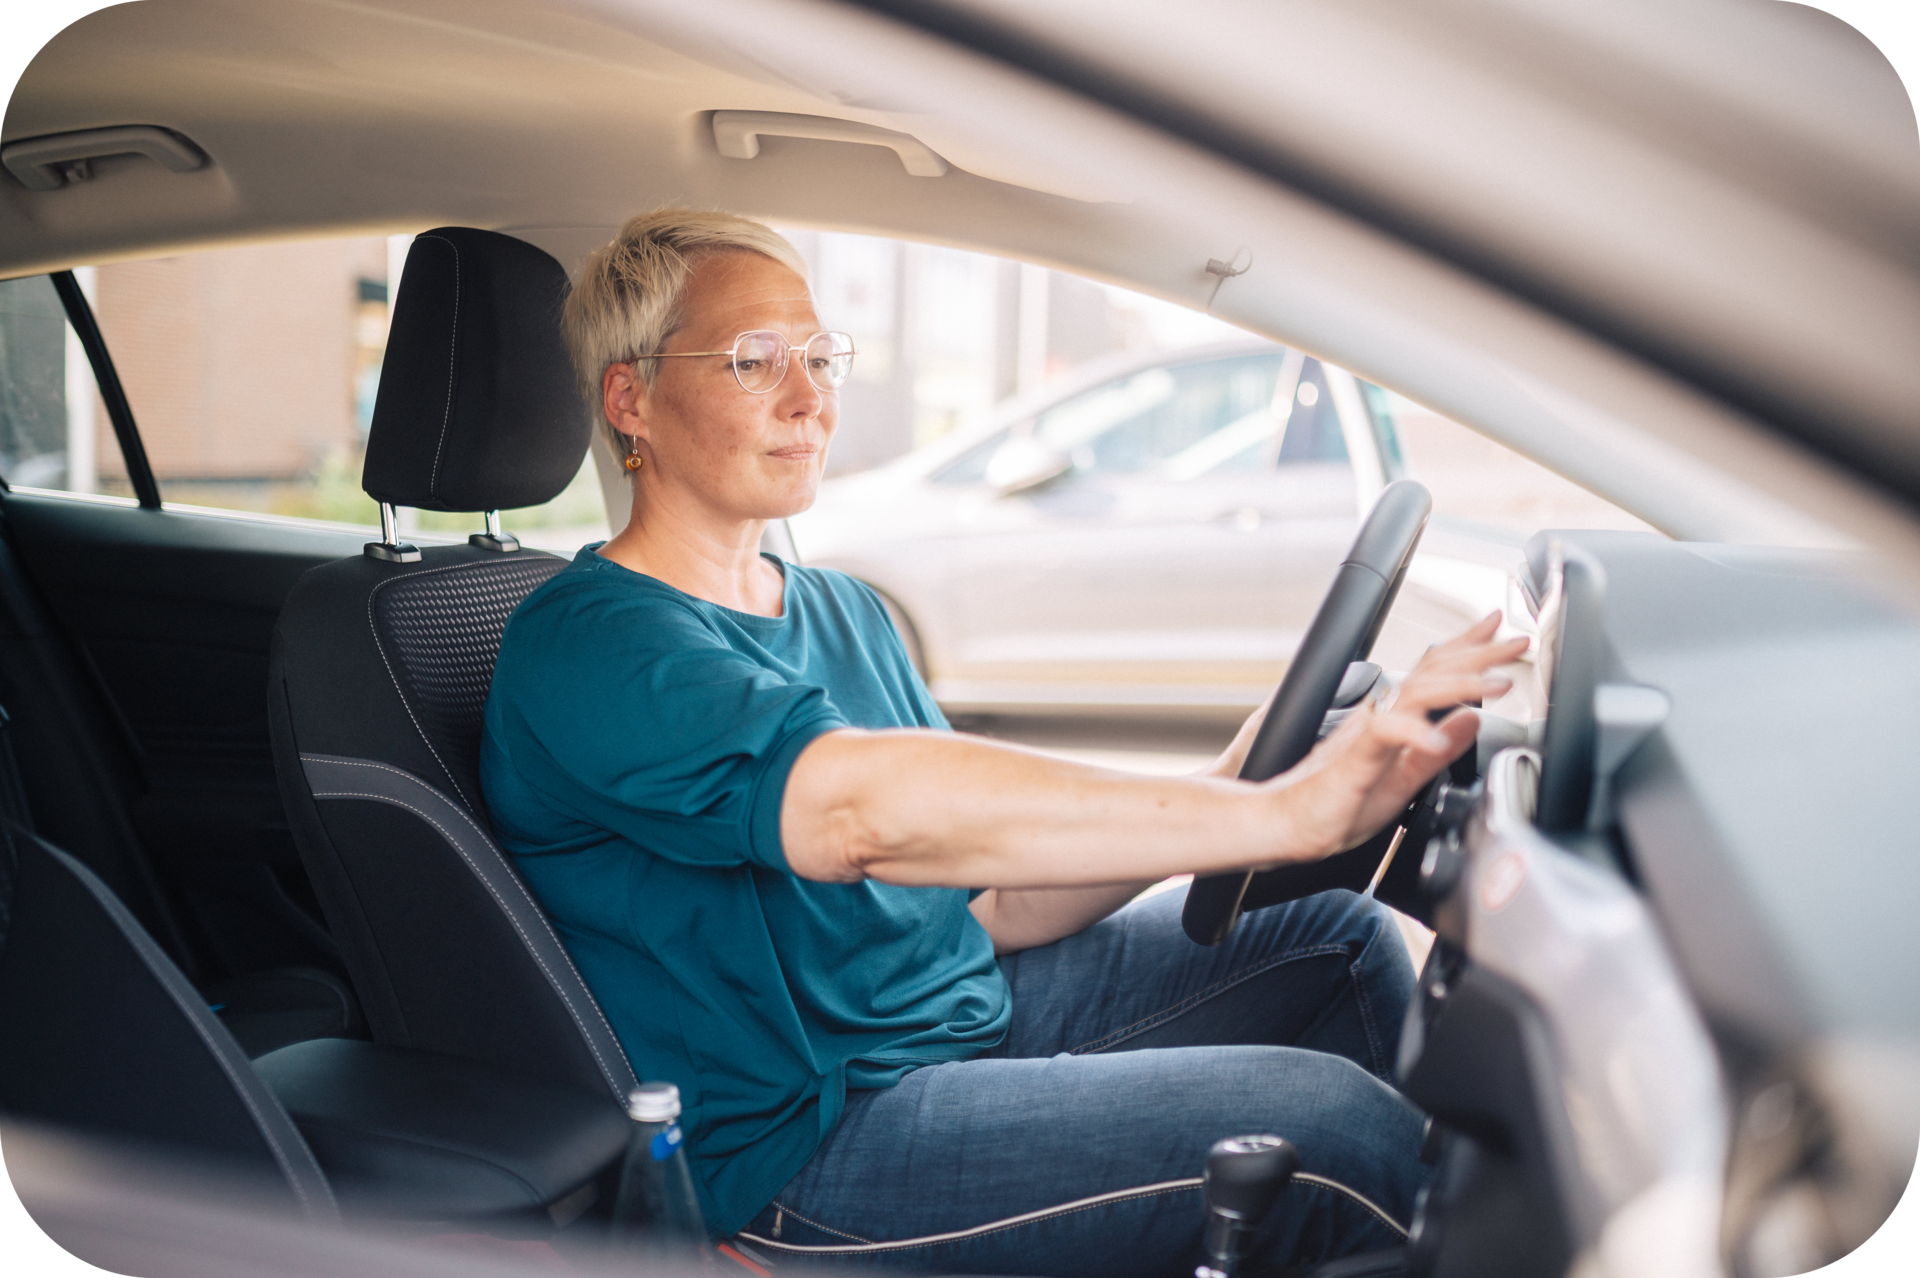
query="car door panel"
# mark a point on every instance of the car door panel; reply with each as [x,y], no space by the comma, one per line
[172,611]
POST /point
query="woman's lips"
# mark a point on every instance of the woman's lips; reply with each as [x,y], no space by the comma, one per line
[794,452]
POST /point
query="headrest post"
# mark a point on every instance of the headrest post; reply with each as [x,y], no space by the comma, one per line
[390,547]
[493,538]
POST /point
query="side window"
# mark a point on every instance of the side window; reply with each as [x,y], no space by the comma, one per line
[53,428]
[1313,422]
[1385,433]
[1163,414]
[252,374]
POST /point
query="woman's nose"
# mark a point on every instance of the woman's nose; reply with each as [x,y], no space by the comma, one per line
[798,396]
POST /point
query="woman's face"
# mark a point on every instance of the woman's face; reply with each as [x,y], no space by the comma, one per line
[739,456]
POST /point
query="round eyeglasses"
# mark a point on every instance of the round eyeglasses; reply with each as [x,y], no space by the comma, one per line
[760,359]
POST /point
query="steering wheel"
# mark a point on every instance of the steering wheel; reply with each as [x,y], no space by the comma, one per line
[1343,631]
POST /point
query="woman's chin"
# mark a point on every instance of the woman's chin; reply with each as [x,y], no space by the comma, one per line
[791,498]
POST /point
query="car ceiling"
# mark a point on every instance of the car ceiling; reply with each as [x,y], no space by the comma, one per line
[1669,250]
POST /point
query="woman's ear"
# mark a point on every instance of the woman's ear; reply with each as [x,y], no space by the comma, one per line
[623,397]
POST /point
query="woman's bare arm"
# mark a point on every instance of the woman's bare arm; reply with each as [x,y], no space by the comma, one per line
[939,809]
[1021,918]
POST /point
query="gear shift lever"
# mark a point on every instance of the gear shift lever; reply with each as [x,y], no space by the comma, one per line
[1244,1175]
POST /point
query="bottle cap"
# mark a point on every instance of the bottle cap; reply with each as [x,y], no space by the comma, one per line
[653,1103]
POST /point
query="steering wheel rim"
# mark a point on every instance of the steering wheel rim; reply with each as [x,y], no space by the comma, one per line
[1343,631]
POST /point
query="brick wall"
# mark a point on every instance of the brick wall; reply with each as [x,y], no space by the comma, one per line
[239,363]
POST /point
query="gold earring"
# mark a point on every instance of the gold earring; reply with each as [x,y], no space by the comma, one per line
[634,460]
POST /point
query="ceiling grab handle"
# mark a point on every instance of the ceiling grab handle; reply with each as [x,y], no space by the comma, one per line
[51,162]
[737,134]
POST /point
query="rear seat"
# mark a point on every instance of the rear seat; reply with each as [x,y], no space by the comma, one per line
[72,774]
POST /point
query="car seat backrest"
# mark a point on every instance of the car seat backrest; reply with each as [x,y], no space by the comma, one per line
[380,671]
[440,634]
[103,1033]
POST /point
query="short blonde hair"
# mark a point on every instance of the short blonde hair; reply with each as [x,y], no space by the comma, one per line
[628,300]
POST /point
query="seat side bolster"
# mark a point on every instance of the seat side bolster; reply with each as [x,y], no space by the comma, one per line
[337,777]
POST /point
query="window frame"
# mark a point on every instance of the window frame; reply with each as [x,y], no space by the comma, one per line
[133,452]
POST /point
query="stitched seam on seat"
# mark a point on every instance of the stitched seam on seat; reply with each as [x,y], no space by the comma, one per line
[606,1071]
[1323,1182]
[991,1227]
[453,341]
[825,1229]
[1194,1000]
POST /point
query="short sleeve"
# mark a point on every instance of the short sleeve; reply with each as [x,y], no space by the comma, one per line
[634,716]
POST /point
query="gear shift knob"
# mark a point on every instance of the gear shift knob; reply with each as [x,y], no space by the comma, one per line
[1244,1176]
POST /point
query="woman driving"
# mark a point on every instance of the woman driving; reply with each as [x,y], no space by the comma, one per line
[894,969]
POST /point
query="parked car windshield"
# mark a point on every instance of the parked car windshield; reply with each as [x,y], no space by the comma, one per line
[1182,421]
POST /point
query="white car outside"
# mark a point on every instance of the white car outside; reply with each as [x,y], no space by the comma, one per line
[1149,535]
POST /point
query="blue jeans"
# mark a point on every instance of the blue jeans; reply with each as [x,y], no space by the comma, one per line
[1076,1146]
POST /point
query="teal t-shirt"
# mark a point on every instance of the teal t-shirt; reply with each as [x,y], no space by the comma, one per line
[637,746]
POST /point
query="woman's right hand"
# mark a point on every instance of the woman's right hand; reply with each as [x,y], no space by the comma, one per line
[1366,772]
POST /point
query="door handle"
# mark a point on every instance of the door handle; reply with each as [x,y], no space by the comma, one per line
[49,163]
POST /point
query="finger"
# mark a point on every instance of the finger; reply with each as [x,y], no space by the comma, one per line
[1330,747]
[1421,753]
[1477,656]
[1445,741]
[1425,746]
[1383,736]
[1481,631]
[1473,663]
[1445,691]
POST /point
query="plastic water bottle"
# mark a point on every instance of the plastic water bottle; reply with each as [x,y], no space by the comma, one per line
[656,1211]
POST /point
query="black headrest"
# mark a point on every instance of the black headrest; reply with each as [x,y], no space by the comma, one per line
[477,407]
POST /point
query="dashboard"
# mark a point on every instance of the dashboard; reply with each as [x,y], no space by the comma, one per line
[1676,989]
[1766,815]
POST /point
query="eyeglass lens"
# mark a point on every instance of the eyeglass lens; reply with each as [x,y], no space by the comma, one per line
[760,360]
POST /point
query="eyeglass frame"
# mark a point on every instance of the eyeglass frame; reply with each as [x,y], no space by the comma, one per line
[786,357]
